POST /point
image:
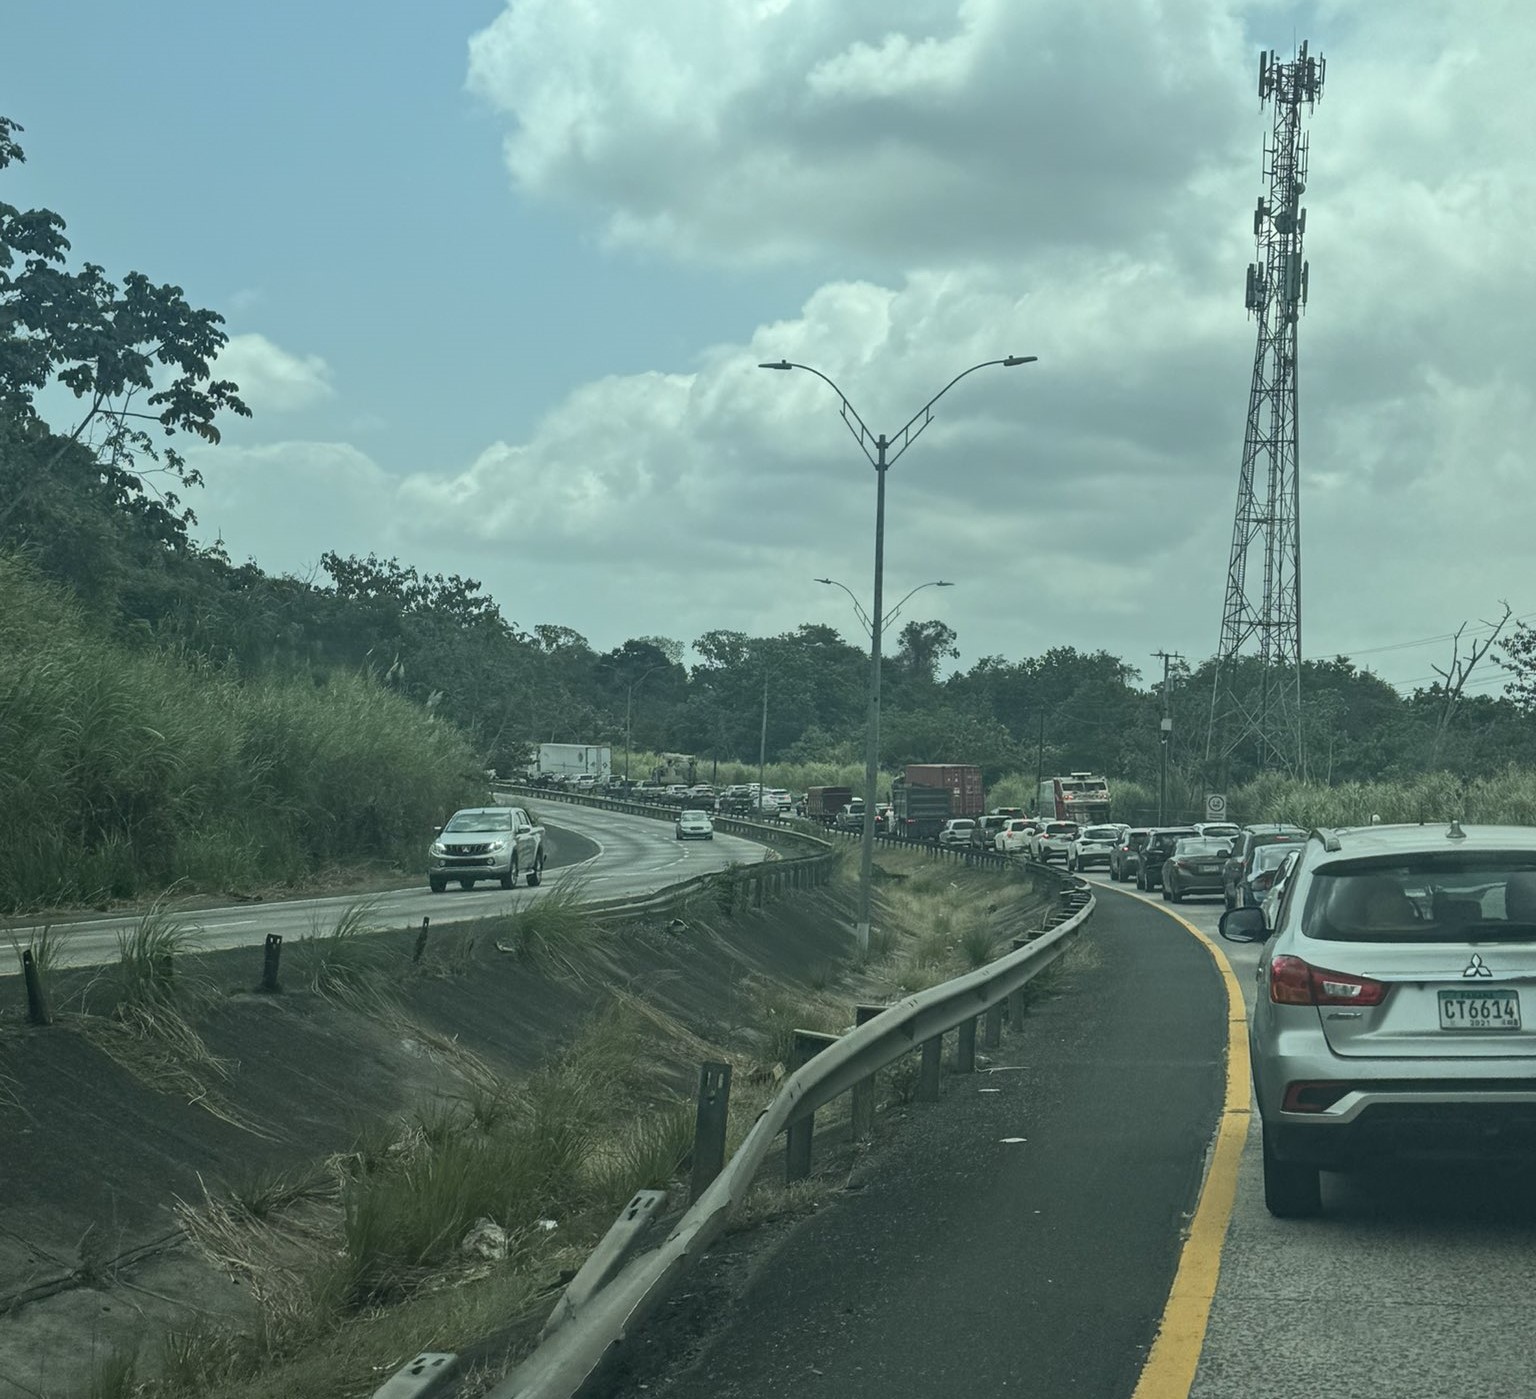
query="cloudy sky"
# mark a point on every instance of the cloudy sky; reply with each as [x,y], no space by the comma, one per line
[498,275]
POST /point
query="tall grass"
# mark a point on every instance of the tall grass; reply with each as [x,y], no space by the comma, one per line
[1504,798]
[126,770]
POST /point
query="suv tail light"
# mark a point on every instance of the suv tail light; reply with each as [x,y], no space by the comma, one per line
[1293,982]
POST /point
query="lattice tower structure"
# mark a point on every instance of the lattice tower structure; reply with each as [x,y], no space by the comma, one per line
[1259,701]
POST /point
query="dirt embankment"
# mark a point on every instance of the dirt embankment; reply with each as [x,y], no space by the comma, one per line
[106,1123]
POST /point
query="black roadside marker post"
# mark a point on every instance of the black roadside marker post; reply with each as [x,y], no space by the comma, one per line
[271,957]
[709,1126]
[421,941]
[37,999]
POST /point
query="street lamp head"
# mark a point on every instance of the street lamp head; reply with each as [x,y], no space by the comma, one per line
[1007,363]
[821,580]
[777,364]
[940,583]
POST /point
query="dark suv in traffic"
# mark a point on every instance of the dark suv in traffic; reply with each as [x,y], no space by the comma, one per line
[1159,848]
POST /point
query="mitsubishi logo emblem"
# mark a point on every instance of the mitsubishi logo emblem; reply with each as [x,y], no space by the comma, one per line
[1475,967]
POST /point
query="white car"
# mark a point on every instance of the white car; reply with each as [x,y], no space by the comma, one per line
[695,825]
[1091,846]
[1013,839]
[1050,842]
[956,832]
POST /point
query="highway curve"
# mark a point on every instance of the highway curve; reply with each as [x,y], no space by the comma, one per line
[632,856]
[967,1263]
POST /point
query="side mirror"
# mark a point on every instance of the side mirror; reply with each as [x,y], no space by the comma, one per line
[1244,925]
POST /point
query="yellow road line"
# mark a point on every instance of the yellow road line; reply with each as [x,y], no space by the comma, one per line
[1170,1369]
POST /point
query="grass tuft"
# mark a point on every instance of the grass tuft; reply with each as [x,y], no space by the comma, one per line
[547,931]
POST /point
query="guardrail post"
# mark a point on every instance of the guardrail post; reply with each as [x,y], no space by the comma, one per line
[709,1126]
[757,889]
[421,941]
[807,1044]
[992,1030]
[965,1054]
[1016,997]
[928,1073]
[862,1099]
[37,999]
[271,957]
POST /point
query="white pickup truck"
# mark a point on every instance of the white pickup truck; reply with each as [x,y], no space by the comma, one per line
[486,842]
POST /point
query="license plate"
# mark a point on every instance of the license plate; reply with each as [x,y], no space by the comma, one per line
[1487,1008]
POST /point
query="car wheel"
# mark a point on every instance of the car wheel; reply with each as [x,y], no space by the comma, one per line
[1292,1189]
[439,886]
[466,884]
[536,874]
[1167,897]
[1175,895]
[509,879]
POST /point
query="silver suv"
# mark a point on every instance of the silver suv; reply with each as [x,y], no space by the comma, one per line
[1396,1005]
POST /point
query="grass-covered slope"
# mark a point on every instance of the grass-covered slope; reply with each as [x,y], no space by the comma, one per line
[124,770]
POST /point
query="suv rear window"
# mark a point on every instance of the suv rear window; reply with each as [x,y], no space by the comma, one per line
[1460,898]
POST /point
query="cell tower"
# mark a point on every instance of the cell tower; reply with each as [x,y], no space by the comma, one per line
[1258,699]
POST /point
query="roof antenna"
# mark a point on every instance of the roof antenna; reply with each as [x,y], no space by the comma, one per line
[1455,833]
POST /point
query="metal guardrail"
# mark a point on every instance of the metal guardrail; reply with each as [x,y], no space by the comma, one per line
[571,1353]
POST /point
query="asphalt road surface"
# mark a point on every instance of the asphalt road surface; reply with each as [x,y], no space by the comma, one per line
[1018,1237]
[635,855]
[1414,1284]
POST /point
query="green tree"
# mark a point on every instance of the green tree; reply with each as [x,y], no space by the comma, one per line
[136,356]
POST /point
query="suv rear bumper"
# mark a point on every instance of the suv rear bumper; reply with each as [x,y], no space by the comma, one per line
[1497,1125]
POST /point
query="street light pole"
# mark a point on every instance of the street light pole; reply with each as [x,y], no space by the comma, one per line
[628,703]
[882,458]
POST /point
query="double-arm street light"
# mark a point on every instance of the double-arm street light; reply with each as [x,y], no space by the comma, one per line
[893,614]
[882,452]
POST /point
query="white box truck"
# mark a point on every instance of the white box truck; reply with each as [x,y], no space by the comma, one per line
[573,760]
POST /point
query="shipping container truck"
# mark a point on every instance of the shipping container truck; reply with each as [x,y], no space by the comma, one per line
[961,780]
[823,803]
[920,812]
[1079,797]
[574,759]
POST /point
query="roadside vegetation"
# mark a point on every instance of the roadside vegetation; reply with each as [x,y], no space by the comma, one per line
[454,1221]
[127,771]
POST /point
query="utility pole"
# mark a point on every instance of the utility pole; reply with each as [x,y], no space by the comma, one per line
[1165,733]
[1039,766]
[762,745]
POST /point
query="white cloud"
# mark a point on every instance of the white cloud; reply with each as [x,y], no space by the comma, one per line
[917,129]
[271,379]
[1068,180]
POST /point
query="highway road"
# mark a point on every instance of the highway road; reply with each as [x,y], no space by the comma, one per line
[634,856]
[1021,1236]
[1412,1285]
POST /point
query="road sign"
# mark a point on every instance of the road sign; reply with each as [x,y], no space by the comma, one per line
[1215,806]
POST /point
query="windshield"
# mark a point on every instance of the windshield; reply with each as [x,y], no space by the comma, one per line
[1267,857]
[1475,897]
[479,821]
[1200,845]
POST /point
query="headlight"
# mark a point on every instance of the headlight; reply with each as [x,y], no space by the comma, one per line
[500,844]
[438,848]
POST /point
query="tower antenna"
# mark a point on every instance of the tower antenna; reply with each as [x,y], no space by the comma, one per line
[1257,699]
